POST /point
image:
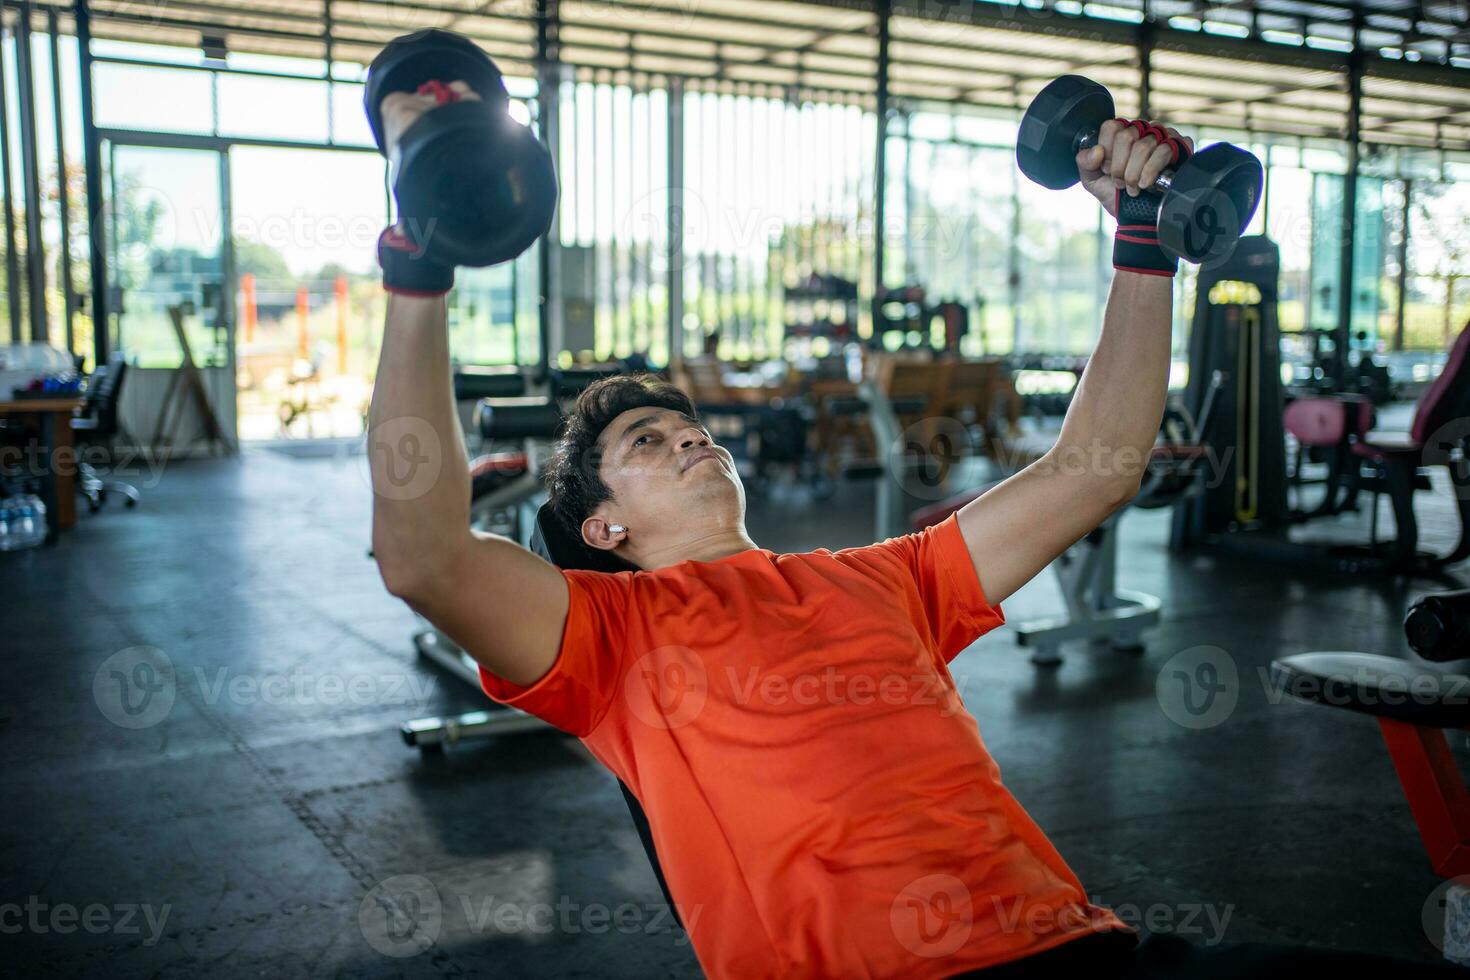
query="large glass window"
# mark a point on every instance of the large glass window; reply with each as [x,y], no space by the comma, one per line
[273,108]
[173,100]
[165,231]
[305,225]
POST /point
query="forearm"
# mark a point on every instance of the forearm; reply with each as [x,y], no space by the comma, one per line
[1114,416]
[421,484]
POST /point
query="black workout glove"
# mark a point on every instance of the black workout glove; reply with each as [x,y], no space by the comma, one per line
[407,270]
[1136,245]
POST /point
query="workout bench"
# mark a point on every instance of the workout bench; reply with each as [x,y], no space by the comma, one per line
[1414,705]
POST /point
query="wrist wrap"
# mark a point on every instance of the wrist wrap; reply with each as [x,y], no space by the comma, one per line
[1136,245]
[407,270]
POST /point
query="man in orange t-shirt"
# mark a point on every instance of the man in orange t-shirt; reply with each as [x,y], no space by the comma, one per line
[820,800]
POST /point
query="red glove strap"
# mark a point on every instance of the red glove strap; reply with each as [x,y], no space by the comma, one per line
[407,271]
[442,93]
[1180,148]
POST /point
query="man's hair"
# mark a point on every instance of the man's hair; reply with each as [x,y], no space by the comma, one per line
[573,477]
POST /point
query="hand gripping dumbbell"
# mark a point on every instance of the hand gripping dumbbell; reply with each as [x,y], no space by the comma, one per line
[474,187]
[1206,203]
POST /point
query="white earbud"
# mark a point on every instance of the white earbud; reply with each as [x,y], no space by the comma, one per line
[616,528]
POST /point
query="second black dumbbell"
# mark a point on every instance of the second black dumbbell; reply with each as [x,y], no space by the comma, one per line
[1207,202]
[474,187]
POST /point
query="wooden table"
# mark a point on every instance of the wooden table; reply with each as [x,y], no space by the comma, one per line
[58,476]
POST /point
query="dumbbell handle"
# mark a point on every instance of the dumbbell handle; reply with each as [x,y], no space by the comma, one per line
[1162,182]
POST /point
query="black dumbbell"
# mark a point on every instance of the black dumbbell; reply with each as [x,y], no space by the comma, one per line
[1438,626]
[474,187]
[1207,202]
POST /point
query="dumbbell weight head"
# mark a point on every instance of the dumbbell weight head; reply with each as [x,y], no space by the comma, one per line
[1056,127]
[1210,201]
[1207,202]
[1438,626]
[431,55]
[474,187]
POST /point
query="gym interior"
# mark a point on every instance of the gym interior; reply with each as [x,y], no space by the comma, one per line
[1236,707]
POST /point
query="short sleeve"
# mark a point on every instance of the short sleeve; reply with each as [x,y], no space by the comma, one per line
[578,689]
[954,605]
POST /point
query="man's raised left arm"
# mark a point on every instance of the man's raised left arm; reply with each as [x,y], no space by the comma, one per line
[1095,467]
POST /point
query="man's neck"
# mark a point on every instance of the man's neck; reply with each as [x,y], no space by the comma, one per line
[712,546]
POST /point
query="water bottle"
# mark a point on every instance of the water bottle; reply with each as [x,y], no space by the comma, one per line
[22,522]
[27,523]
[38,522]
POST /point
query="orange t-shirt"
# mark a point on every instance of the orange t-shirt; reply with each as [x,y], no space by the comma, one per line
[821,802]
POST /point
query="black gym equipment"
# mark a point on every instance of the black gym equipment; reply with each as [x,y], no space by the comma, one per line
[474,187]
[1244,507]
[1438,626]
[1235,334]
[1206,203]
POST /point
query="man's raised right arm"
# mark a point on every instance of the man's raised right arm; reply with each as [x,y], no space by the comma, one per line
[503,605]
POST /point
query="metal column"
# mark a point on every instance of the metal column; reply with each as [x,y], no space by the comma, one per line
[63,192]
[31,169]
[675,255]
[548,119]
[880,162]
[12,260]
[1013,260]
[1403,284]
[1145,67]
[1343,334]
[92,158]
[329,55]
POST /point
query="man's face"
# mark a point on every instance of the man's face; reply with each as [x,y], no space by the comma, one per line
[668,478]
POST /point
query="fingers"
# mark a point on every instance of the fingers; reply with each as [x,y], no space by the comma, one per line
[1144,151]
[1119,152]
[1090,161]
[463,90]
[402,109]
[1154,164]
[1138,152]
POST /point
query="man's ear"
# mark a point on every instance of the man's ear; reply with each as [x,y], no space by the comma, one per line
[603,534]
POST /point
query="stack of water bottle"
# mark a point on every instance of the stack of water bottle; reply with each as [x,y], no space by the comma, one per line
[22,522]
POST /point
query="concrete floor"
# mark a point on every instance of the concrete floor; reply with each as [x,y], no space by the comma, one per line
[248,829]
